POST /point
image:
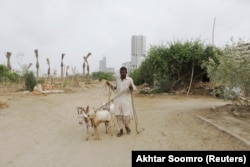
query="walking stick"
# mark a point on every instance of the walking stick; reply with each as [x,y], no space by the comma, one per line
[135,115]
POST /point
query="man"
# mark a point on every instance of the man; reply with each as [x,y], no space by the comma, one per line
[123,106]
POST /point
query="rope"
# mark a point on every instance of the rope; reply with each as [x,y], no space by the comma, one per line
[105,90]
[119,94]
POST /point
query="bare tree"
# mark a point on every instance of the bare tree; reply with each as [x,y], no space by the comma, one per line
[48,72]
[29,66]
[85,62]
[62,66]
[67,69]
[37,63]
[8,54]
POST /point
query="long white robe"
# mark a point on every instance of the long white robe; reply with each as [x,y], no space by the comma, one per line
[123,105]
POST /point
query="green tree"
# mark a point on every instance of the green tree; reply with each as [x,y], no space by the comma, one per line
[178,64]
[232,70]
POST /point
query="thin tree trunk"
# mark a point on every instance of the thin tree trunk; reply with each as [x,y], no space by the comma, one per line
[8,54]
[175,82]
[62,68]
[37,63]
[191,79]
[48,72]
[198,75]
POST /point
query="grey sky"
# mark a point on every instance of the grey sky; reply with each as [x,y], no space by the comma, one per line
[105,27]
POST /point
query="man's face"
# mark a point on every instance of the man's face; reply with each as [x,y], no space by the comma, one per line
[123,74]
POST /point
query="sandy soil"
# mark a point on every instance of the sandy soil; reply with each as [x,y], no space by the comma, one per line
[42,130]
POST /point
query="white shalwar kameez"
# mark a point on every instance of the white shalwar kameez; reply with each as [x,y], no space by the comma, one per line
[123,105]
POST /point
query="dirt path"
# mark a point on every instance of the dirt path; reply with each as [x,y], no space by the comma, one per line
[42,130]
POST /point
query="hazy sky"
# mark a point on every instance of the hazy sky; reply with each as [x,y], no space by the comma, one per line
[105,28]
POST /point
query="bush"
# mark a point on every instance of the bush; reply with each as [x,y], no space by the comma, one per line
[232,68]
[30,81]
[103,75]
[6,75]
[137,77]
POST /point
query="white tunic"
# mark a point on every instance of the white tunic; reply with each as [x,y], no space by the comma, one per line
[123,105]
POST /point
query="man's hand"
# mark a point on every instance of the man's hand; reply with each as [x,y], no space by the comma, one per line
[107,82]
[109,85]
[130,87]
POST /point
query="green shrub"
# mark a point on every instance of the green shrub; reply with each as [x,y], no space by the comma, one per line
[6,75]
[30,81]
[103,75]
[138,76]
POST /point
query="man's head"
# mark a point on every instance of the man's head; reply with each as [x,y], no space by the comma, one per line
[123,72]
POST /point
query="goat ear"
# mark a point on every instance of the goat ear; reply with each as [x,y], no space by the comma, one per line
[79,109]
[83,109]
[87,109]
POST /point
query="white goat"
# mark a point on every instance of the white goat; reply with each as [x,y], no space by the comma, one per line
[83,116]
[101,116]
[94,118]
[111,108]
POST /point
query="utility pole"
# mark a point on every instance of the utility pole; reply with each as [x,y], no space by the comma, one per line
[213,32]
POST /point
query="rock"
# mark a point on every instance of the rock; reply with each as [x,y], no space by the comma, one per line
[39,87]
[244,113]
[214,108]
[236,113]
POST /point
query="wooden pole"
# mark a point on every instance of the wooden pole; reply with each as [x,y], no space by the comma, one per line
[62,67]
[8,54]
[37,64]
[213,32]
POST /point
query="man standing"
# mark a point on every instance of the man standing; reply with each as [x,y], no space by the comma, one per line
[123,106]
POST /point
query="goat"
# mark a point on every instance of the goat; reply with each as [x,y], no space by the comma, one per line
[94,118]
[83,116]
[111,108]
[100,116]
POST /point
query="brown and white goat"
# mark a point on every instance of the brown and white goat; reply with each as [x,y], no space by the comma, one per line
[98,117]
[94,119]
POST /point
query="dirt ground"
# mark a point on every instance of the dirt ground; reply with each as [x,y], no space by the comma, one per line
[42,130]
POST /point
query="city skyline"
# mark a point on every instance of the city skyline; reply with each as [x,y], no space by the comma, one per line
[138,55]
[104,28]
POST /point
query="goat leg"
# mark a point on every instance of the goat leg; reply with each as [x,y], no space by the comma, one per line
[87,138]
[96,132]
[107,126]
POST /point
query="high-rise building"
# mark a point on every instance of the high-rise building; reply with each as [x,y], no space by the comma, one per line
[104,68]
[138,50]
[102,64]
